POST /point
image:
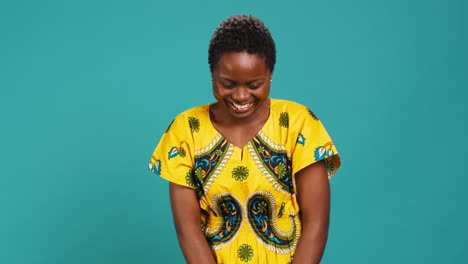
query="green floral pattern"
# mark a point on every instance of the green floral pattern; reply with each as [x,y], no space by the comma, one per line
[263,207]
[189,178]
[199,173]
[245,253]
[284,119]
[281,170]
[182,152]
[194,124]
[240,173]
[261,150]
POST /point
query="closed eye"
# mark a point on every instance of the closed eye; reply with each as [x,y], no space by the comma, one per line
[255,84]
[228,85]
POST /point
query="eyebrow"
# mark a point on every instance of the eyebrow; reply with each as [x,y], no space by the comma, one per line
[227,79]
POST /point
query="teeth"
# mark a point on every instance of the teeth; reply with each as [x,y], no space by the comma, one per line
[242,106]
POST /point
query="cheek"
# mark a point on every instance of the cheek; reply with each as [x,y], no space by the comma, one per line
[264,93]
[218,93]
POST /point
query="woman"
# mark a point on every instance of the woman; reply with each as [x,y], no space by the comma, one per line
[248,174]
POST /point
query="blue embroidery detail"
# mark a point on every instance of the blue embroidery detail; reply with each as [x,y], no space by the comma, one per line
[301,139]
[276,162]
[173,152]
[324,151]
[261,216]
[156,167]
[206,164]
[229,210]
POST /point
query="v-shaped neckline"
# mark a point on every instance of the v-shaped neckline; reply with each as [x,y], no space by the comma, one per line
[250,140]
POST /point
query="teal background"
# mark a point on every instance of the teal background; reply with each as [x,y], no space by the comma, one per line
[88,87]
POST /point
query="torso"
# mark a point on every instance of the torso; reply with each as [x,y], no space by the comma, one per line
[244,177]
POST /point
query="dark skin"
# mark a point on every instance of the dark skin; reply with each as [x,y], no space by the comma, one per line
[313,196]
[186,214]
[241,86]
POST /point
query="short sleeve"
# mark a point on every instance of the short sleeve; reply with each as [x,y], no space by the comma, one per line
[313,144]
[173,157]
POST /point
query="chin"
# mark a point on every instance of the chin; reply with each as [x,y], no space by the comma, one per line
[245,114]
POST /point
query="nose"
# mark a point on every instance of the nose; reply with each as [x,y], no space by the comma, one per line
[241,94]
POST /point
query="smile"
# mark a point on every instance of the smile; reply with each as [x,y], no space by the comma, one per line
[242,107]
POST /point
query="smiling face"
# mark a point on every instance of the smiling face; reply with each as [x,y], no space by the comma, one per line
[241,85]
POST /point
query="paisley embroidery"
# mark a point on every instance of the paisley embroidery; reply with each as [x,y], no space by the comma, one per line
[209,162]
[275,164]
[229,211]
[261,214]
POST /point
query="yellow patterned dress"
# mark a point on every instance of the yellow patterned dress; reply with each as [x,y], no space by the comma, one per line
[247,195]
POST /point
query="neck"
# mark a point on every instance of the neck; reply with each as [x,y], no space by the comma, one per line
[222,118]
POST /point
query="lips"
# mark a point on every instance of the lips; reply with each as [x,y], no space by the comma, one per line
[242,107]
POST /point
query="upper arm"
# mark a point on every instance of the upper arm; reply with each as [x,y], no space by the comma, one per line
[185,205]
[186,211]
[313,192]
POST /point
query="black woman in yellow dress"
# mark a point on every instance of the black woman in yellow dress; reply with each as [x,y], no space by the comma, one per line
[248,174]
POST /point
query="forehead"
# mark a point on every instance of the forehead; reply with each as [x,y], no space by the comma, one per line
[241,65]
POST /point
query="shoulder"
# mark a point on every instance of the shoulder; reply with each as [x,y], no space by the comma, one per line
[283,105]
[191,117]
[197,111]
[292,109]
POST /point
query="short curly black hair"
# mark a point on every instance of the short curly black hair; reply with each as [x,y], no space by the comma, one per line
[242,33]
